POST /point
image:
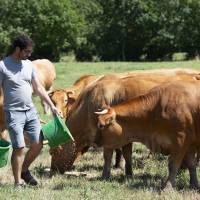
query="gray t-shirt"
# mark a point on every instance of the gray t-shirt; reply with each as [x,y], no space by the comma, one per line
[16,78]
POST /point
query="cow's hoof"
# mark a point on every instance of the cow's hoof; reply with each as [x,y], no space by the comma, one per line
[120,165]
[129,177]
[167,186]
[105,178]
[194,187]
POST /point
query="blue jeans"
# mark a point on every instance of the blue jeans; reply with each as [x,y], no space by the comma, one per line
[20,121]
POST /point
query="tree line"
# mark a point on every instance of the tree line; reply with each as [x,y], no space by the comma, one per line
[107,30]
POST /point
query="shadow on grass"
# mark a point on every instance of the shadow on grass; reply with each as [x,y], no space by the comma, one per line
[145,181]
[141,181]
[43,171]
[118,178]
[89,167]
[155,182]
[60,186]
[138,181]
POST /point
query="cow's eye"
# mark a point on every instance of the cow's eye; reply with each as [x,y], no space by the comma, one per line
[111,120]
[65,101]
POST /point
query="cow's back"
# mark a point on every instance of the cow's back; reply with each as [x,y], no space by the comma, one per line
[45,71]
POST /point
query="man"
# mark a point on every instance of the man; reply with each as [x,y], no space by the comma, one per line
[17,78]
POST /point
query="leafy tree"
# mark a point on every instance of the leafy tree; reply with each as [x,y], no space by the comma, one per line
[189,36]
[53,25]
[152,29]
[87,44]
[107,29]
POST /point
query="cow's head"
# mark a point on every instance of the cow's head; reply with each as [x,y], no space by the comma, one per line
[63,157]
[106,117]
[63,100]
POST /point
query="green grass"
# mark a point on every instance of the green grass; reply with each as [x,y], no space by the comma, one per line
[149,170]
[67,73]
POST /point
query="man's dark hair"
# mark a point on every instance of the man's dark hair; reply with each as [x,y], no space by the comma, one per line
[21,41]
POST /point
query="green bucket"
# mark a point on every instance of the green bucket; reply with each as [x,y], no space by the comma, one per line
[56,132]
[4,152]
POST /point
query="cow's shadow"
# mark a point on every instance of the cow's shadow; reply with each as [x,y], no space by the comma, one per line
[141,181]
[146,180]
[89,167]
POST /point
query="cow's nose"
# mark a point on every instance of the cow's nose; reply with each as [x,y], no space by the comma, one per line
[61,115]
[101,126]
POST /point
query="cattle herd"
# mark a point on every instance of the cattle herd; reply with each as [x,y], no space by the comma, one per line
[159,108]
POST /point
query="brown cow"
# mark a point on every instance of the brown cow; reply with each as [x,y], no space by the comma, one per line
[46,74]
[82,121]
[166,120]
[63,99]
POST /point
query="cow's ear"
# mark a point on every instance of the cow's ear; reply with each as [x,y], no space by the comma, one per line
[102,111]
[70,93]
[197,77]
[71,96]
[71,100]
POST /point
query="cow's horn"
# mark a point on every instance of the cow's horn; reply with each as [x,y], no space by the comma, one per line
[102,112]
[70,91]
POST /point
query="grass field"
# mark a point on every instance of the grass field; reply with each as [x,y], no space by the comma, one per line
[149,170]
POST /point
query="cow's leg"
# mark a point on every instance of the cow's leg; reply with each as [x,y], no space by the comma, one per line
[119,159]
[191,163]
[46,108]
[174,163]
[107,154]
[127,153]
